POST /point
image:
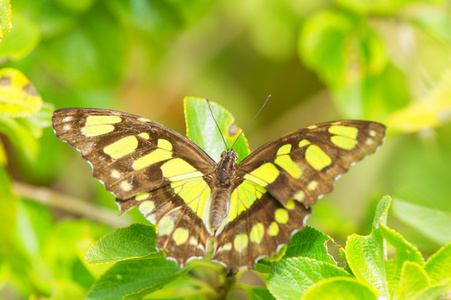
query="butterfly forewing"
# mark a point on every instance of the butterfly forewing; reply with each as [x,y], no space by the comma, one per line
[129,154]
[303,164]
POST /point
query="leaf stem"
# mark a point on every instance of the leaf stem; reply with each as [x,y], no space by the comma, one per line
[73,205]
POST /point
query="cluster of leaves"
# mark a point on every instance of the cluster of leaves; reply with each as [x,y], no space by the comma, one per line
[76,52]
[307,268]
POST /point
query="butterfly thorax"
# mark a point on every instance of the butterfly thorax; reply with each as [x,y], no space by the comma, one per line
[222,188]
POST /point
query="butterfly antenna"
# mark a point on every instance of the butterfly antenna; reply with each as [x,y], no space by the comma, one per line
[223,139]
[267,98]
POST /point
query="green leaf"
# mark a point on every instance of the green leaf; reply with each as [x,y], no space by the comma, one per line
[405,252]
[365,254]
[134,278]
[309,242]
[18,97]
[291,277]
[421,216]
[202,130]
[340,288]
[436,291]
[23,140]
[413,280]
[8,211]
[422,202]
[258,293]
[23,38]
[5,18]
[366,259]
[136,240]
[438,266]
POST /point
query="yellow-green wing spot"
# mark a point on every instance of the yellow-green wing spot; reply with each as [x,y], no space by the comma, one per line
[151,158]
[343,142]
[263,175]
[142,196]
[303,143]
[164,144]
[281,216]
[102,120]
[161,154]
[299,196]
[195,193]
[290,204]
[144,135]
[90,131]
[312,185]
[273,229]
[122,147]
[180,236]
[165,226]
[96,125]
[243,197]
[347,131]
[317,158]
[115,174]
[240,242]
[257,233]
[146,207]
[284,160]
[345,136]
[126,186]
[177,169]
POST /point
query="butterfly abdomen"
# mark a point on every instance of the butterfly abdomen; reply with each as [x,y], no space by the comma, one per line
[222,189]
[220,206]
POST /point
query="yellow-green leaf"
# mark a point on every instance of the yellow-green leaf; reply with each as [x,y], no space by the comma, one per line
[413,280]
[340,288]
[18,97]
[430,112]
[5,18]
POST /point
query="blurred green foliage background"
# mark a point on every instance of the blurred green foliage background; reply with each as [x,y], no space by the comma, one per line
[386,61]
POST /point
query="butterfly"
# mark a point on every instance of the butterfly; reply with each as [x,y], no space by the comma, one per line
[250,209]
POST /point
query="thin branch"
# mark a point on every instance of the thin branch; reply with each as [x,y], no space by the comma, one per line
[73,205]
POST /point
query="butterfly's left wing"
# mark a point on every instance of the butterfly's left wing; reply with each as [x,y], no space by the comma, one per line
[279,181]
[148,165]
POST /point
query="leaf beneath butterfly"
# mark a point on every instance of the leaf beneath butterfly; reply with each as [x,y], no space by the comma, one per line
[202,130]
[136,240]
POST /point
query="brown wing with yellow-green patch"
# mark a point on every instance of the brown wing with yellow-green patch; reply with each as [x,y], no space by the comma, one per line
[130,154]
[147,165]
[304,164]
[279,181]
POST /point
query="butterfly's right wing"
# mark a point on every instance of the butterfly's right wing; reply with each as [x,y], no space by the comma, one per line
[147,165]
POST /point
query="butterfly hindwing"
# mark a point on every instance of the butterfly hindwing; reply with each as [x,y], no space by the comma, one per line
[177,210]
[258,231]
